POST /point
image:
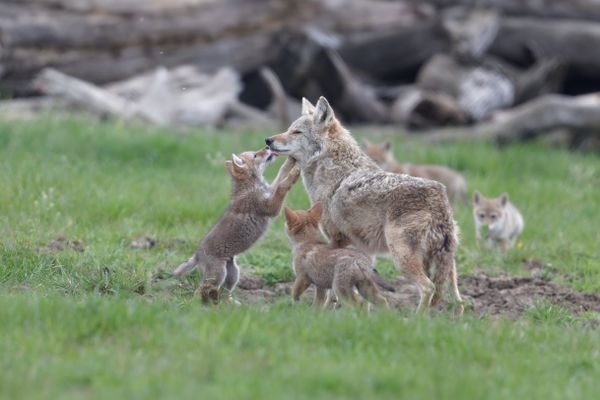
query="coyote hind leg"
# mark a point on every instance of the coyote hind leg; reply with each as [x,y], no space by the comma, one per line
[409,261]
[232,275]
[214,275]
[455,291]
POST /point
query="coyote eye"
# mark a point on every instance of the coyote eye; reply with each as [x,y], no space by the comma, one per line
[482,216]
[296,132]
[493,217]
[255,155]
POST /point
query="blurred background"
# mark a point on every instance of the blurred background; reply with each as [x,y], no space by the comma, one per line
[508,69]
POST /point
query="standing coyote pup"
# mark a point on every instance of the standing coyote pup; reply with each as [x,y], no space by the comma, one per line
[325,267]
[503,219]
[253,204]
[456,185]
[376,211]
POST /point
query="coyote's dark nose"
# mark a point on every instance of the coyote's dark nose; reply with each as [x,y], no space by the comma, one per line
[268,141]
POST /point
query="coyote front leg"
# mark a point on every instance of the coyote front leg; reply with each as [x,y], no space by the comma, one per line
[275,202]
[284,171]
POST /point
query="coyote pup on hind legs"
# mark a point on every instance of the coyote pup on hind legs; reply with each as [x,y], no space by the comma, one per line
[253,204]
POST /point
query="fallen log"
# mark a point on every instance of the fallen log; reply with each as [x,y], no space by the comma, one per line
[394,55]
[33,24]
[573,42]
[416,108]
[100,42]
[544,114]
[159,98]
[490,85]
[572,9]
[88,96]
[479,90]
[311,67]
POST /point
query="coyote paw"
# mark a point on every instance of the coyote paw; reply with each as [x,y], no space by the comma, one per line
[230,300]
[209,293]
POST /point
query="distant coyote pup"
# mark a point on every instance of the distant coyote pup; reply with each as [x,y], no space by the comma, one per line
[374,210]
[502,218]
[317,263]
[253,204]
[455,183]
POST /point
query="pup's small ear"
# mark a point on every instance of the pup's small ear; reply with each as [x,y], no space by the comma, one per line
[316,211]
[237,161]
[291,217]
[476,197]
[503,199]
[387,146]
[307,107]
[324,113]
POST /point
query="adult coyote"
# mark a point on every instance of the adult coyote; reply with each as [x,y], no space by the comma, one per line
[374,210]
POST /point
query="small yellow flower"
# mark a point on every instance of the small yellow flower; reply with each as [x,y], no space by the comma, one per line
[520,245]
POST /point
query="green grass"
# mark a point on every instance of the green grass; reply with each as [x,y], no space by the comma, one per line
[90,325]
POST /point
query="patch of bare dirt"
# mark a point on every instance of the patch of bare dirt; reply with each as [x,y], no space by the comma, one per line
[484,294]
[512,295]
[143,242]
[62,243]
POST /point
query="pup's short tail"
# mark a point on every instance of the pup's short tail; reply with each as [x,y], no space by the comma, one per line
[382,283]
[186,267]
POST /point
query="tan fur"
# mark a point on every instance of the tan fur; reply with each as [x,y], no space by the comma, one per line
[374,210]
[317,263]
[455,183]
[505,223]
[253,205]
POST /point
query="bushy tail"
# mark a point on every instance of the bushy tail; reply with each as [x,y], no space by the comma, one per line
[186,267]
[382,283]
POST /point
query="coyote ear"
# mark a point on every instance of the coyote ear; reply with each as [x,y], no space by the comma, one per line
[324,113]
[476,197]
[503,199]
[316,211]
[236,160]
[307,107]
[387,146]
[290,217]
[233,169]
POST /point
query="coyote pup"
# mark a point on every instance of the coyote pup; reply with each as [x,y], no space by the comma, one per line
[376,211]
[325,267]
[456,185]
[503,219]
[253,204]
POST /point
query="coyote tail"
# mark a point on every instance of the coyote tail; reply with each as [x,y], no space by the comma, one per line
[186,267]
[379,281]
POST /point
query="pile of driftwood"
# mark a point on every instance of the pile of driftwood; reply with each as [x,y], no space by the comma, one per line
[456,69]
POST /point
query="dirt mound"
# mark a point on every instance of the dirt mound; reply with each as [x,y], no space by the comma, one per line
[62,243]
[485,295]
[512,295]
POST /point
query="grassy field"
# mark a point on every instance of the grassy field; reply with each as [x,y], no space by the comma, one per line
[90,325]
